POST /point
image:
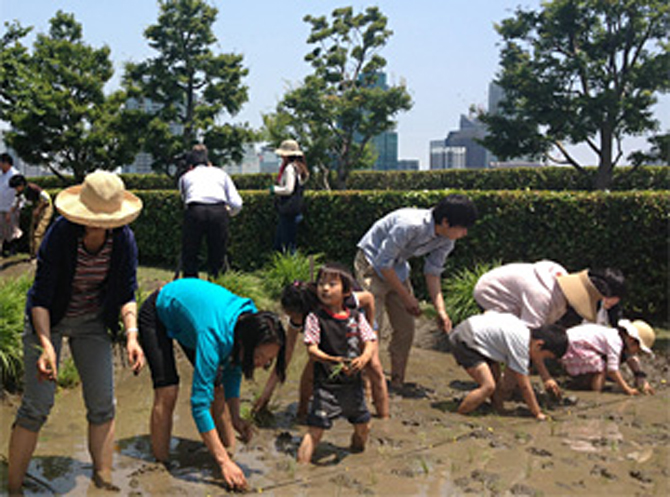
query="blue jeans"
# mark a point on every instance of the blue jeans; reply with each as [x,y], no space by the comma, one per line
[287,232]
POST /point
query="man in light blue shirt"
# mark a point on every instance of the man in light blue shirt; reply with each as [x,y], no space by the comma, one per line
[382,267]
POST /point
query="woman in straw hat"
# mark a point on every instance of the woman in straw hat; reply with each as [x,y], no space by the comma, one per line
[293,174]
[86,277]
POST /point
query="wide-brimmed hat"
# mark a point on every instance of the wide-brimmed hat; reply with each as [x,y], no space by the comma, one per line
[101,201]
[640,331]
[289,148]
[581,294]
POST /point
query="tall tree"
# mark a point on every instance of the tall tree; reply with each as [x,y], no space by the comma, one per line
[340,107]
[53,98]
[185,90]
[580,71]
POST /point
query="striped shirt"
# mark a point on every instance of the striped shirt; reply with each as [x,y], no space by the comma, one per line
[89,279]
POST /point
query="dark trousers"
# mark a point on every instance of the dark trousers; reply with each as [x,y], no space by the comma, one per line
[210,221]
[287,232]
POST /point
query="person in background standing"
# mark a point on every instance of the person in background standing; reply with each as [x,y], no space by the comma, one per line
[293,174]
[211,198]
[42,209]
[9,221]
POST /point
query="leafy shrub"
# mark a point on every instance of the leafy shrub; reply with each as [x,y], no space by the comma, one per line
[284,268]
[458,290]
[521,178]
[246,285]
[13,300]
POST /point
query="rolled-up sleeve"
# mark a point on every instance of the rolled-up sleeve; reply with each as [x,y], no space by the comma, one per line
[435,261]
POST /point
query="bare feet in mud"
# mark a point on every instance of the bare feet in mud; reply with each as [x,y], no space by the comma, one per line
[357,444]
[104,483]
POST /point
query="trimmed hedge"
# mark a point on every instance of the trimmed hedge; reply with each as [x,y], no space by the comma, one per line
[625,230]
[545,178]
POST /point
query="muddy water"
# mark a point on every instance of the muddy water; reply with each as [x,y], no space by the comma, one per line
[597,444]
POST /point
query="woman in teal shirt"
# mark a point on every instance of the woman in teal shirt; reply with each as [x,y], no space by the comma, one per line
[223,336]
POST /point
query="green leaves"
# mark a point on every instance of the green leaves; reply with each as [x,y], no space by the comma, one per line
[338,108]
[576,72]
[187,88]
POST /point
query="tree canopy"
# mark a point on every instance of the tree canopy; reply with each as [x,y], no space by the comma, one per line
[338,108]
[580,71]
[53,98]
[184,91]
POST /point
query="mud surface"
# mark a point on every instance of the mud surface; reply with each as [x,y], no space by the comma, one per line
[594,444]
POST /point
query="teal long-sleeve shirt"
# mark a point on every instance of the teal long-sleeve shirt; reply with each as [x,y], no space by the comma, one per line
[202,316]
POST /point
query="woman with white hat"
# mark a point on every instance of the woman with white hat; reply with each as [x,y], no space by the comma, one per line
[293,175]
[85,279]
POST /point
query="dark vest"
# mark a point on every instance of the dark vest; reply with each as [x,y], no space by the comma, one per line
[341,338]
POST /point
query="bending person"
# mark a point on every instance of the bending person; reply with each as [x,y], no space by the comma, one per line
[223,336]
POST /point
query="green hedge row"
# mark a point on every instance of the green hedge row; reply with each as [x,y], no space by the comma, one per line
[578,229]
[546,178]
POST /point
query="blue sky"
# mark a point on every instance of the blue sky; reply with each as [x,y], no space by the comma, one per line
[445,51]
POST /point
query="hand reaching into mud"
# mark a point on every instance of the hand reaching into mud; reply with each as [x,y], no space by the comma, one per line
[244,429]
[552,387]
[233,475]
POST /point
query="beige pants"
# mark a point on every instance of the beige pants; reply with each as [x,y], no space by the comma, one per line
[387,301]
[38,228]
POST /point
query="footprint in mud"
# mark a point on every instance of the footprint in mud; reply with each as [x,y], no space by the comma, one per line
[641,476]
[521,490]
[539,452]
[412,391]
[287,443]
[599,470]
[345,481]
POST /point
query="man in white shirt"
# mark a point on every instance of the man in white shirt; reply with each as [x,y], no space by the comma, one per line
[9,220]
[211,198]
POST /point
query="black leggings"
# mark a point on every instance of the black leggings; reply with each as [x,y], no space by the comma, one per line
[157,345]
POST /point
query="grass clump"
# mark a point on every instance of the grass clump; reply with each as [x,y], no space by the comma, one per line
[285,268]
[12,300]
[458,291]
[248,285]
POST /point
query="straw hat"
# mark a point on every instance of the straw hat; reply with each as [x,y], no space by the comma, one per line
[581,294]
[289,148]
[101,201]
[640,331]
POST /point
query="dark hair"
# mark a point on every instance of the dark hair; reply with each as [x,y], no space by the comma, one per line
[339,270]
[17,180]
[457,209]
[5,157]
[570,318]
[554,337]
[197,156]
[610,282]
[252,330]
[299,297]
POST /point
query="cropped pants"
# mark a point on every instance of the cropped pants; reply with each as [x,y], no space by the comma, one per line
[91,348]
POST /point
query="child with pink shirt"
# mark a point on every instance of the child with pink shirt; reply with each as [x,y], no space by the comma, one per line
[596,351]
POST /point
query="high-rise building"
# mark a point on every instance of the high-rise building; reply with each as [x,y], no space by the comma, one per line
[460,149]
